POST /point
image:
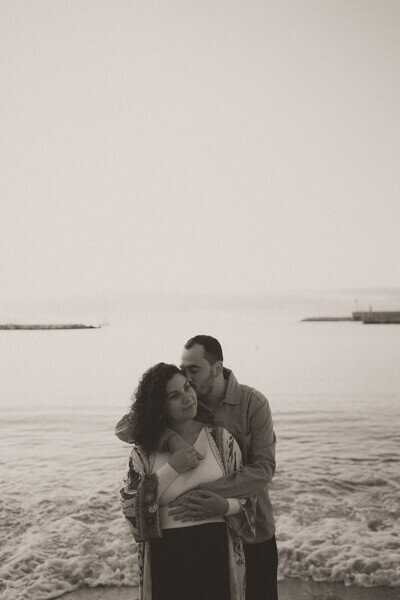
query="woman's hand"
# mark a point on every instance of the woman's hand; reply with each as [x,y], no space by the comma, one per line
[184,459]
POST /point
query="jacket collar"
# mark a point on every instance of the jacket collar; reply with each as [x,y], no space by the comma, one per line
[232,395]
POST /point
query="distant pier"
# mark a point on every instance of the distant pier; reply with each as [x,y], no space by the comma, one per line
[370,317]
[328,319]
[13,326]
[359,316]
[381,317]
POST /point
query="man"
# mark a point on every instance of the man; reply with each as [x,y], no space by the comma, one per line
[246,414]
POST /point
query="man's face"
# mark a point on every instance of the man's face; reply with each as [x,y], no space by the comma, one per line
[198,370]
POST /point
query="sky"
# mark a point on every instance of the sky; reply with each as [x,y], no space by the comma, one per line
[181,146]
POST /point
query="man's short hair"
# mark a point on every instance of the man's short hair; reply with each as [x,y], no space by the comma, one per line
[212,347]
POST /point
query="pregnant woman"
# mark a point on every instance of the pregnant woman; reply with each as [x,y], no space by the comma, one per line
[182,560]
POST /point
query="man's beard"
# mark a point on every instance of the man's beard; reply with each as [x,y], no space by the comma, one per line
[206,386]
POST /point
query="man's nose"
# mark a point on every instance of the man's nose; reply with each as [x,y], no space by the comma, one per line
[190,380]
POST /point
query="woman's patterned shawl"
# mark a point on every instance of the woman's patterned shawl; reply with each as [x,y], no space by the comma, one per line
[139,504]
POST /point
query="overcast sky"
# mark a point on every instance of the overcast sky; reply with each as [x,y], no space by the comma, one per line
[220,145]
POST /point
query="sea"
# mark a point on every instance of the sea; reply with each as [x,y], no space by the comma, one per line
[334,392]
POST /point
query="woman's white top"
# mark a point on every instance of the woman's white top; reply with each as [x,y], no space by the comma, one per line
[173,484]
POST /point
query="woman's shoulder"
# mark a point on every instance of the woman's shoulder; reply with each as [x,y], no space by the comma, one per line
[217,428]
[220,434]
[139,456]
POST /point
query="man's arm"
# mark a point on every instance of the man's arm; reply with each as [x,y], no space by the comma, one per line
[125,427]
[256,473]
[169,439]
[259,458]
[199,504]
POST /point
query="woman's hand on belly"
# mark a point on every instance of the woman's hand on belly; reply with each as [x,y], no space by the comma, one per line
[197,505]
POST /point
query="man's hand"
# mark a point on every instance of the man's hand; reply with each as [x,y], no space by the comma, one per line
[184,459]
[197,505]
[176,442]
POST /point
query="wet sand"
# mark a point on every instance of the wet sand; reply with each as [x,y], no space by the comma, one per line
[289,589]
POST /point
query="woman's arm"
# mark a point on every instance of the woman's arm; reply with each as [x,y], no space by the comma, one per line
[139,498]
[141,490]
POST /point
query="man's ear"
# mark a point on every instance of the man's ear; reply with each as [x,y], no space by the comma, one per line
[218,367]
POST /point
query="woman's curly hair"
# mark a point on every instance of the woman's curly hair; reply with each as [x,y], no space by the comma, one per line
[147,410]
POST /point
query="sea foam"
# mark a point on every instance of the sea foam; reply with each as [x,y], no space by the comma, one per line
[64,542]
[57,546]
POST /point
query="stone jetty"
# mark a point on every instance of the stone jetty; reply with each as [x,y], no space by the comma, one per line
[371,317]
[14,326]
[381,317]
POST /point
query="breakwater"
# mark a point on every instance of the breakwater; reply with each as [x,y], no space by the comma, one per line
[328,319]
[378,317]
[13,326]
[371,317]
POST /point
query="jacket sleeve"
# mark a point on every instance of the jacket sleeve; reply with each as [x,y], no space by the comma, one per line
[124,431]
[258,450]
[139,498]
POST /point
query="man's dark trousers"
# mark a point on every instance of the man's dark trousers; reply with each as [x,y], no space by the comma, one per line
[261,570]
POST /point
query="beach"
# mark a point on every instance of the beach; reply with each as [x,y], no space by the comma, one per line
[218,168]
[333,390]
[290,589]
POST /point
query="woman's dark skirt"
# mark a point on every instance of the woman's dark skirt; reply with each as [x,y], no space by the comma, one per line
[191,563]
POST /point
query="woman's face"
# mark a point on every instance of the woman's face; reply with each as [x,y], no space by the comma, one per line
[181,401]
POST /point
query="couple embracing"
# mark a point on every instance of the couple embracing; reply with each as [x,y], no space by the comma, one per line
[195,492]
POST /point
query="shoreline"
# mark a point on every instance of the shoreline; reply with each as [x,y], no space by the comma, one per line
[289,589]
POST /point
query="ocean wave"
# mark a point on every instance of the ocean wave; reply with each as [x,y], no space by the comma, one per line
[340,557]
[335,498]
[339,528]
[63,543]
